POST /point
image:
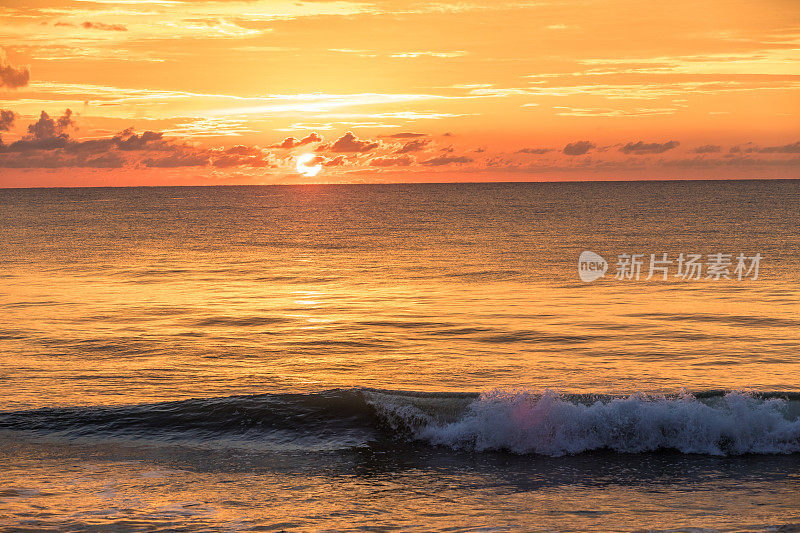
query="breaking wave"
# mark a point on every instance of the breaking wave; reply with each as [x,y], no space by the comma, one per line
[522,422]
[551,424]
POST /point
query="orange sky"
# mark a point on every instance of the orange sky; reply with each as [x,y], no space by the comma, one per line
[431,91]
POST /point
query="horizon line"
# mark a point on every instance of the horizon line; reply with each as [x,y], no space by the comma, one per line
[327,184]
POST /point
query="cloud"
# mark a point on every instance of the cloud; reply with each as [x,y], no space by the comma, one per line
[793,148]
[446,160]
[337,161]
[537,151]
[177,159]
[708,149]
[455,53]
[128,140]
[241,155]
[749,147]
[404,135]
[400,161]
[648,148]
[413,146]
[291,142]
[48,145]
[46,127]
[44,134]
[7,118]
[739,161]
[578,148]
[11,76]
[350,143]
[58,159]
[102,26]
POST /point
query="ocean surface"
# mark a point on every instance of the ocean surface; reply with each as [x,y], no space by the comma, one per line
[400,358]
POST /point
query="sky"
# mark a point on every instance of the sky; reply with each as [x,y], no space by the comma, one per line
[196,92]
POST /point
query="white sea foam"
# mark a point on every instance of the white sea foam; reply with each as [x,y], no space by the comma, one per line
[550,424]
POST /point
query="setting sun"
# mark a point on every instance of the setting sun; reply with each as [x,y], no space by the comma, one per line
[304,169]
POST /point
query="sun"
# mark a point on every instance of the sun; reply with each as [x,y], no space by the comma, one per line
[305,170]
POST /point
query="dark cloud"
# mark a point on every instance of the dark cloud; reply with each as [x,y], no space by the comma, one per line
[44,134]
[400,161]
[7,118]
[499,161]
[707,149]
[578,148]
[729,162]
[291,142]
[29,143]
[127,140]
[39,159]
[648,148]
[102,26]
[104,160]
[747,147]
[65,121]
[11,76]
[736,161]
[404,135]
[537,151]
[413,146]
[446,160]
[47,128]
[350,143]
[48,145]
[793,148]
[179,158]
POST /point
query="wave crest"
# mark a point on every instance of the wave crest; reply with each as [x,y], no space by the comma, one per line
[550,424]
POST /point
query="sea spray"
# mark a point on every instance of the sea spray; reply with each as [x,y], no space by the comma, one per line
[549,424]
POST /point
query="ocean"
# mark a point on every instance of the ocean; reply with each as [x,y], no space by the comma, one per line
[418,357]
